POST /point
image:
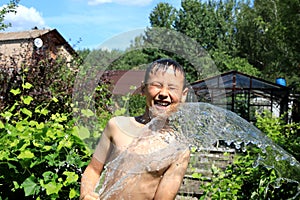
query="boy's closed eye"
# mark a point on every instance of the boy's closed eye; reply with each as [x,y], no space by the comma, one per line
[160,85]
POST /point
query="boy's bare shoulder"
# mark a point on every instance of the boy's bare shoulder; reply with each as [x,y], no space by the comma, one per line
[117,124]
[118,120]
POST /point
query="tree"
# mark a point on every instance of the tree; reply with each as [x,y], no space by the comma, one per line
[10,7]
[213,25]
[258,35]
[266,33]
[163,15]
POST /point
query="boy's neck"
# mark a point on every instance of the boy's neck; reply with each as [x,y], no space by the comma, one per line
[144,119]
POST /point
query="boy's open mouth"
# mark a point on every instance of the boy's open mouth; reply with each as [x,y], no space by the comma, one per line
[161,103]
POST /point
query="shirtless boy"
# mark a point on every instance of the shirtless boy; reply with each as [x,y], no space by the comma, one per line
[164,88]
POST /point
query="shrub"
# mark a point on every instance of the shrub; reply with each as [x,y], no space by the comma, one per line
[244,180]
[287,135]
[39,160]
[48,78]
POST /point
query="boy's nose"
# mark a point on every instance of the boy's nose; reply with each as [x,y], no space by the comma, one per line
[163,94]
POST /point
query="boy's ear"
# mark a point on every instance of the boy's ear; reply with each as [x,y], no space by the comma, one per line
[143,86]
[184,94]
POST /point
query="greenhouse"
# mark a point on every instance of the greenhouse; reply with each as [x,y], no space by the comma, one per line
[243,94]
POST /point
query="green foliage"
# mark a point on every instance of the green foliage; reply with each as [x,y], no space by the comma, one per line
[137,105]
[287,135]
[5,9]
[163,15]
[249,36]
[226,62]
[39,159]
[41,80]
[243,180]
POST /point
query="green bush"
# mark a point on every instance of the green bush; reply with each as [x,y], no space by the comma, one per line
[39,159]
[287,135]
[48,78]
[244,180]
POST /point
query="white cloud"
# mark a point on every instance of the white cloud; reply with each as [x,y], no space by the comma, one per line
[24,19]
[124,2]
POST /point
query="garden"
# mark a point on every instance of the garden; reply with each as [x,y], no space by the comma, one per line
[47,138]
[45,147]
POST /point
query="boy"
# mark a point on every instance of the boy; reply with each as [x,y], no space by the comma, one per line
[143,158]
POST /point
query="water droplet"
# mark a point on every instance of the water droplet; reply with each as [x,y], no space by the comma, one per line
[277,158]
[244,149]
[293,162]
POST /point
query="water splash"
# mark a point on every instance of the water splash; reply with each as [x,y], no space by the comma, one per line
[144,161]
[205,125]
[197,125]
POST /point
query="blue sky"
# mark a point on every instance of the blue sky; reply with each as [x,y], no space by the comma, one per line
[92,22]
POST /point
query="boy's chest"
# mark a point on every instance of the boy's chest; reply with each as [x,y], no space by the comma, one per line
[122,140]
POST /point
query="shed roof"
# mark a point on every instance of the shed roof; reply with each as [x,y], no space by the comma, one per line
[243,94]
[4,36]
[55,36]
[123,80]
[234,81]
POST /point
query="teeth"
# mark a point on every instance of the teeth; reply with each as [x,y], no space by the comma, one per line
[163,103]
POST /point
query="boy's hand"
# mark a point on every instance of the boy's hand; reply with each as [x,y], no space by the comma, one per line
[90,196]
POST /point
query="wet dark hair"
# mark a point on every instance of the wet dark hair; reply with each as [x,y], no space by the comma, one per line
[163,65]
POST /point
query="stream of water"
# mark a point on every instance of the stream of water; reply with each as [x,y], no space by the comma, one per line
[200,125]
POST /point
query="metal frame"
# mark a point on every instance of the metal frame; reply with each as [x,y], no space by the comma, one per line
[237,91]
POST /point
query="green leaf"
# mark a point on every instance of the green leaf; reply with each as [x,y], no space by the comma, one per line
[32,123]
[36,144]
[14,143]
[29,186]
[27,100]
[87,112]
[27,85]
[120,111]
[52,187]
[1,125]
[196,175]
[83,132]
[40,125]
[47,147]
[13,107]
[26,112]
[11,166]
[72,194]
[75,131]
[20,126]
[64,143]
[72,177]
[48,175]
[16,185]
[3,155]
[54,99]
[6,115]
[25,154]
[44,111]
[16,91]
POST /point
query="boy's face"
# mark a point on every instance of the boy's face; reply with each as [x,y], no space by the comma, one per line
[164,90]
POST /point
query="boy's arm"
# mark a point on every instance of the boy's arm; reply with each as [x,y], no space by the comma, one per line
[92,173]
[90,179]
[172,179]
